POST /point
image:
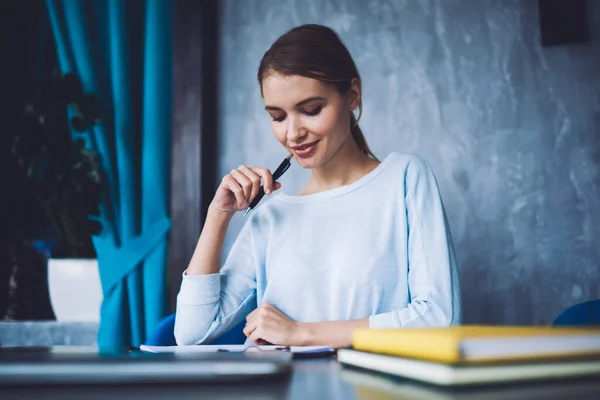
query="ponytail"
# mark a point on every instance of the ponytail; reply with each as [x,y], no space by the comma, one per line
[359,136]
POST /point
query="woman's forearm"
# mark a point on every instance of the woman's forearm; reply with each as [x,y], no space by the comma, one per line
[207,255]
[335,333]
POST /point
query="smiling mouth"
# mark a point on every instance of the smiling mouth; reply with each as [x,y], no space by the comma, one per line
[304,146]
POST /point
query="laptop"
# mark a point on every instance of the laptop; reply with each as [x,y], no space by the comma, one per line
[88,365]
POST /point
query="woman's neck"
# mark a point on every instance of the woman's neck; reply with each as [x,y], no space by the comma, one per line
[346,166]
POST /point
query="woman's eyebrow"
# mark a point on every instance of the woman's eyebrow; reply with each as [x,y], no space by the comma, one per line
[299,104]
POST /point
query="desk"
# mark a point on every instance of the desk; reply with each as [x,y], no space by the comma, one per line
[311,380]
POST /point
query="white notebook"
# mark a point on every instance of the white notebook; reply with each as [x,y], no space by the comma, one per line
[235,348]
[458,375]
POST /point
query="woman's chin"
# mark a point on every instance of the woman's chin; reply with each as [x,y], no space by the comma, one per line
[308,163]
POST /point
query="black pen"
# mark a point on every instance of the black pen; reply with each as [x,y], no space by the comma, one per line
[285,164]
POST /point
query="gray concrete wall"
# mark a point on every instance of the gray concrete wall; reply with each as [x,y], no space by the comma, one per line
[511,129]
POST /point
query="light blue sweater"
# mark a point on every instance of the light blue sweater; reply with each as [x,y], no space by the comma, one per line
[379,248]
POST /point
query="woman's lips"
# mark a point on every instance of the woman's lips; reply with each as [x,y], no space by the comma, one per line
[306,151]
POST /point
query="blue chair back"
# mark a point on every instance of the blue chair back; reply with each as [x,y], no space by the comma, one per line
[163,334]
[582,314]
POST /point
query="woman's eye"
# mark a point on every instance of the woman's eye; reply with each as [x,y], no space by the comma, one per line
[278,118]
[313,111]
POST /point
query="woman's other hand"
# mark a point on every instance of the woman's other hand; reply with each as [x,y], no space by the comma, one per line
[268,324]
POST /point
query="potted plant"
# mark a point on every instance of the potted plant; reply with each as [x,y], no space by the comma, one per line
[64,180]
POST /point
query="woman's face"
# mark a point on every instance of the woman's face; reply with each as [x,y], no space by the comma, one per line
[311,119]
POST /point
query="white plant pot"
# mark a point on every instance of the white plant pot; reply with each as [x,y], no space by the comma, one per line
[75,289]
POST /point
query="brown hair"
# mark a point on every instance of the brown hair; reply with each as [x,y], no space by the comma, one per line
[316,51]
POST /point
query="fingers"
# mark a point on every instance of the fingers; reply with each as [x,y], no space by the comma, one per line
[262,324]
[249,328]
[255,330]
[242,185]
[255,319]
[251,316]
[254,179]
[244,182]
[249,179]
[254,315]
[234,186]
[257,335]
[263,309]
[267,178]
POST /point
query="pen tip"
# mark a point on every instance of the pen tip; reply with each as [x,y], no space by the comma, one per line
[289,157]
[247,211]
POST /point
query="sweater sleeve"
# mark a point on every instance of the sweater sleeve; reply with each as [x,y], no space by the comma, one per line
[209,305]
[432,271]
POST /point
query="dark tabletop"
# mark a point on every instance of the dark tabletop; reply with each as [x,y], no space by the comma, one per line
[311,379]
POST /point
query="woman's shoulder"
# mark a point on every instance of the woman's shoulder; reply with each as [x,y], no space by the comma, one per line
[417,174]
[409,165]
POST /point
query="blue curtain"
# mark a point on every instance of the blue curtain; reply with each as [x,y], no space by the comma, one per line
[121,50]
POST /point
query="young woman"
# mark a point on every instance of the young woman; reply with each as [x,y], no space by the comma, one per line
[364,244]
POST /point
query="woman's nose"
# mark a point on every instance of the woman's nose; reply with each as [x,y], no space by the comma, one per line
[294,131]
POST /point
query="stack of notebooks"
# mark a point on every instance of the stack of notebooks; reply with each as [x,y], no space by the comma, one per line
[475,355]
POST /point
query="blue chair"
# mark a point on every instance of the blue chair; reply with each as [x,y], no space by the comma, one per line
[583,314]
[163,334]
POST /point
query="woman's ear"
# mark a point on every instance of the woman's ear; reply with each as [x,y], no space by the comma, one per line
[355,94]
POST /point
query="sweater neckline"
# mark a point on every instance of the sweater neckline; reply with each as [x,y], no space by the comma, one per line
[339,191]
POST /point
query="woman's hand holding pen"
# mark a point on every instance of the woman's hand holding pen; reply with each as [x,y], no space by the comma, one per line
[240,186]
[267,324]
[236,191]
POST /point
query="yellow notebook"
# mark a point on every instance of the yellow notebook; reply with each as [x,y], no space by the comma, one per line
[480,344]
